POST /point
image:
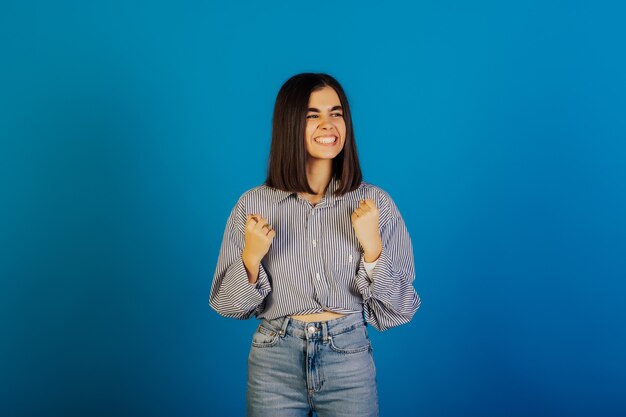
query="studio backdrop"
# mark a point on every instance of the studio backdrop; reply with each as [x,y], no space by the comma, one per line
[128,130]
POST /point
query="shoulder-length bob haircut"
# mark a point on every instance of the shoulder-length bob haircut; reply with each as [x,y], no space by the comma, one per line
[287,160]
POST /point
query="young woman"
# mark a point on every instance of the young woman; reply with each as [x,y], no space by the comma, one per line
[317,254]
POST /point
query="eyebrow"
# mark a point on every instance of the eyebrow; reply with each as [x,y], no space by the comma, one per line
[332,109]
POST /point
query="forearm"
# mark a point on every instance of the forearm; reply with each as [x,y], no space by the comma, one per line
[372,252]
[252,267]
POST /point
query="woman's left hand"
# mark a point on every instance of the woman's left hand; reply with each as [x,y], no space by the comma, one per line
[365,225]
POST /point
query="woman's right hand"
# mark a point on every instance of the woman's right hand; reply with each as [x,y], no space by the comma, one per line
[258,238]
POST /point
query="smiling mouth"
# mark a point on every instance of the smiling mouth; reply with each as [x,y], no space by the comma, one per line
[326,140]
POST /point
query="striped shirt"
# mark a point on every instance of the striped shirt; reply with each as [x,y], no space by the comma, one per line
[315,262]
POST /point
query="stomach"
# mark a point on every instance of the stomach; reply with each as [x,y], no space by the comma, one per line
[323,316]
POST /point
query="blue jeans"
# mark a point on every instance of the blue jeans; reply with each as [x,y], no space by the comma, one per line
[295,368]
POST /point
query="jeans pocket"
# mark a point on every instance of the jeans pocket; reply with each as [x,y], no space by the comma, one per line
[352,341]
[264,337]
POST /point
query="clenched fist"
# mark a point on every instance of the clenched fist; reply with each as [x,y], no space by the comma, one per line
[258,238]
[365,225]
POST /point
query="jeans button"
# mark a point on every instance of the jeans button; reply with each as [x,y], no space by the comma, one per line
[311,329]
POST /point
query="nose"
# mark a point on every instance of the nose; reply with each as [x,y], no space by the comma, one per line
[325,123]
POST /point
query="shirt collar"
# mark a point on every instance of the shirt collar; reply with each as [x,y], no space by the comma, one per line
[280,195]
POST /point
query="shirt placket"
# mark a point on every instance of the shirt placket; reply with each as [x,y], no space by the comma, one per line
[318,278]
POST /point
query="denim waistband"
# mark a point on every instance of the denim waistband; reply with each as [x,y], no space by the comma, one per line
[314,329]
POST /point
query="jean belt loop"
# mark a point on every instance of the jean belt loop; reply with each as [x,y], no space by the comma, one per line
[325,331]
[283,328]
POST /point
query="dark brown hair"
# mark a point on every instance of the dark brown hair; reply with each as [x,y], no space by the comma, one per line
[287,161]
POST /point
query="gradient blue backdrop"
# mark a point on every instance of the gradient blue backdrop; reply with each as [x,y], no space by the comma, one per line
[129,129]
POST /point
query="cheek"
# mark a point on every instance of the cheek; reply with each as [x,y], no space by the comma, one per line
[342,126]
[308,131]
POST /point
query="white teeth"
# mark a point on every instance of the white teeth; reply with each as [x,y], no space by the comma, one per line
[326,139]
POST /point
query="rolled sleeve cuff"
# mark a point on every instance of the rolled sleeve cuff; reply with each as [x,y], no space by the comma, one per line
[379,282]
[243,294]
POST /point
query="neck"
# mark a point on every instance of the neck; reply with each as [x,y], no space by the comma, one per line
[318,173]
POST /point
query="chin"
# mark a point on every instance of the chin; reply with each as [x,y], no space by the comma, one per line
[326,156]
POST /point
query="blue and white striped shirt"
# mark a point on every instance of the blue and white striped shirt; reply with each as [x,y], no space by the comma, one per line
[315,261]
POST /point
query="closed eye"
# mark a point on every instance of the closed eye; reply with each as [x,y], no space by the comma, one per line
[334,114]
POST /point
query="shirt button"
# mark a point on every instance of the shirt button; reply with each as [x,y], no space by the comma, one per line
[314,243]
[318,276]
[311,329]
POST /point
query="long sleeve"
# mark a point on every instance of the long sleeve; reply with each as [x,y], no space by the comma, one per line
[389,298]
[231,294]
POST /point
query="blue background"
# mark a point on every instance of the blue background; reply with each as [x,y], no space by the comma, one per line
[129,129]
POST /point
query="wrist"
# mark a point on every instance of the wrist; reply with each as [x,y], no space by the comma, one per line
[248,258]
[372,256]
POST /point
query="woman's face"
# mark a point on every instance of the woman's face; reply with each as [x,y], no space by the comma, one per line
[325,127]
